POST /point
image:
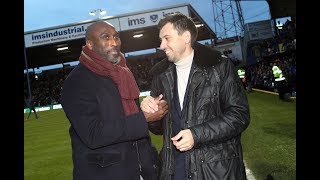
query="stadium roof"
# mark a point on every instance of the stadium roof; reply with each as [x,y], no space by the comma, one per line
[282,8]
[41,45]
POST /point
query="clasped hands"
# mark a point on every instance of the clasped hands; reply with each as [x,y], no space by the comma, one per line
[154,109]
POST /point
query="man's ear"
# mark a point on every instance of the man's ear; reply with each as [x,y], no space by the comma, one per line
[187,37]
[89,44]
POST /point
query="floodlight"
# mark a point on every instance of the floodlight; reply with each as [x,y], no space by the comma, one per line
[62,48]
[137,35]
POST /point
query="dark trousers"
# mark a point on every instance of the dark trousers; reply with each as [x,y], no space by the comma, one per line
[35,113]
[282,89]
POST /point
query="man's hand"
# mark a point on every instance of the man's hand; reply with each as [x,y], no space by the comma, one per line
[183,140]
[150,104]
[159,114]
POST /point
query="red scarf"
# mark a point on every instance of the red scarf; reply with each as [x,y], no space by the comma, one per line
[119,73]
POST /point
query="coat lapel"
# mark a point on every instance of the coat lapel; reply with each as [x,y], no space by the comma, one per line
[196,78]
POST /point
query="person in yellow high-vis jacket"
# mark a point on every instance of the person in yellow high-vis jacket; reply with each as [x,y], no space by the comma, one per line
[279,80]
[241,74]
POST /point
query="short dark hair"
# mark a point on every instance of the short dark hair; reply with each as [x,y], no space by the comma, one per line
[181,23]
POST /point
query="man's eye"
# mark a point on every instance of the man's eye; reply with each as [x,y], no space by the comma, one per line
[105,37]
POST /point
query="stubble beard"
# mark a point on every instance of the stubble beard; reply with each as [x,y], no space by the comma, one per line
[172,59]
[113,58]
[109,56]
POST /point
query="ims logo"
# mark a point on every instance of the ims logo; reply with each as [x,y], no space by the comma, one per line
[133,22]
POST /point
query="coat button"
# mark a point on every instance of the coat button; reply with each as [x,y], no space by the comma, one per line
[214,94]
[189,176]
[187,122]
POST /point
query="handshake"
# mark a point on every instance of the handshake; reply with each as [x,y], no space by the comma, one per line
[154,109]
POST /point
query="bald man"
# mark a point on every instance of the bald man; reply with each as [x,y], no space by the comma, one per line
[109,134]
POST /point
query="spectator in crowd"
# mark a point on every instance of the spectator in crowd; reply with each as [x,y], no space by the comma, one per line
[208,107]
[248,78]
[279,79]
[242,76]
[109,134]
[30,105]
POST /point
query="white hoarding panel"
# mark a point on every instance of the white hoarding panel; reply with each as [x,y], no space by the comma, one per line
[260,30]
[61,34]
[148,19]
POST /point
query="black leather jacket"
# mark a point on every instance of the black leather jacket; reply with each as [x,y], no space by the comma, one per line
[217,114]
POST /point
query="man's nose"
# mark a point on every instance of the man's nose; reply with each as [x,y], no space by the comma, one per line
[162,45]
[114,42]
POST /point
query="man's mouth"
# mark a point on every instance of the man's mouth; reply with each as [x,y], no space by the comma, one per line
[114,52]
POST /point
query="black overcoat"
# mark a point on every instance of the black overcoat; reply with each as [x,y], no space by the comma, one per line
[103,139]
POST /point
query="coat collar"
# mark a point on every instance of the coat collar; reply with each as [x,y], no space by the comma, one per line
[204,56]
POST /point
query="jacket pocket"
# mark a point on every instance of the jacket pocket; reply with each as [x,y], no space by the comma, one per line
[104,159]
[219,152]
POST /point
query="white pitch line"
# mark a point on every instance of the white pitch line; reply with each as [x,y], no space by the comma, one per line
[249,173]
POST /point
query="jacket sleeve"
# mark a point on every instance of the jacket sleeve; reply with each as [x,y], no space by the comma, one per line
[157,126]
[234,115]
[99,119]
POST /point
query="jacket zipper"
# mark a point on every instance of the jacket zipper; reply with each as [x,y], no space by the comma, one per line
[137,148]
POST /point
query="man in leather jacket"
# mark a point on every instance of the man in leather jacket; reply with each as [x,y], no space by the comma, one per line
[208,107]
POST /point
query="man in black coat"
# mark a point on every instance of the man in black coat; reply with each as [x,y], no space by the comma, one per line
[109,134]
[208,107]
